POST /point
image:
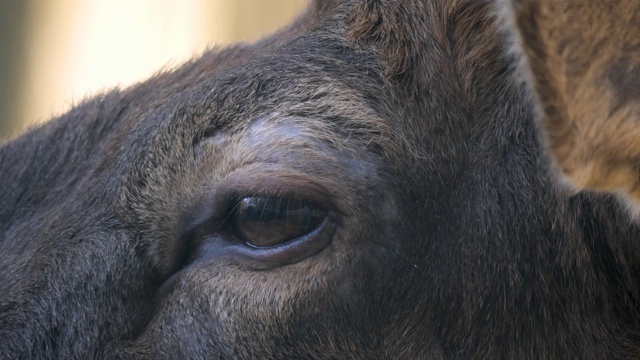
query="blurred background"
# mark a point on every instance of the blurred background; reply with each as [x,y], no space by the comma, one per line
[55,53]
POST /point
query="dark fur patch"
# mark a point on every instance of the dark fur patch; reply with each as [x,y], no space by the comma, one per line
[408,122]
[624,79]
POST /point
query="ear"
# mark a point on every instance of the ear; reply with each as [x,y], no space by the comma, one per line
[583,62]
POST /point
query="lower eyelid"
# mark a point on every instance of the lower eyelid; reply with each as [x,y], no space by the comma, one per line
[206,246]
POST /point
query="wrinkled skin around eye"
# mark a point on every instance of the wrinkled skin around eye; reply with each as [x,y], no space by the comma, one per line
[263,221]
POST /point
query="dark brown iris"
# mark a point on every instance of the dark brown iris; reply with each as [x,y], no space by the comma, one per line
[264,221]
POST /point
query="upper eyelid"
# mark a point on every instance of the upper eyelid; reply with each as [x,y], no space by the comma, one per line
[276,182]
[215,211]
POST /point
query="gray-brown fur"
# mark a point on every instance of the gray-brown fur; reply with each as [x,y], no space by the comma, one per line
[584,61]
[406,119]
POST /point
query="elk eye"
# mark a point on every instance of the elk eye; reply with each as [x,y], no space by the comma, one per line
[264,221]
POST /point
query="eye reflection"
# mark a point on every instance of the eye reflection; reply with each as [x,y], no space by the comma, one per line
[264,221]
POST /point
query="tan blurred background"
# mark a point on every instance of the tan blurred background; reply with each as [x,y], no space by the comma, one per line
[54,53]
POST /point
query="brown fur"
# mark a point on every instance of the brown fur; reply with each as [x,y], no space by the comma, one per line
[584,59]
[407,121]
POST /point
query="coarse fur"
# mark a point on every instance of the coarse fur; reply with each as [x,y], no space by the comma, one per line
[583,60]
[409,121]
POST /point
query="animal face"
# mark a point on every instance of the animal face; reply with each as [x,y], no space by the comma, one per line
[367,183]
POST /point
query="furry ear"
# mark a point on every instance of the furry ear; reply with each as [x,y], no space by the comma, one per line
[583,60]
